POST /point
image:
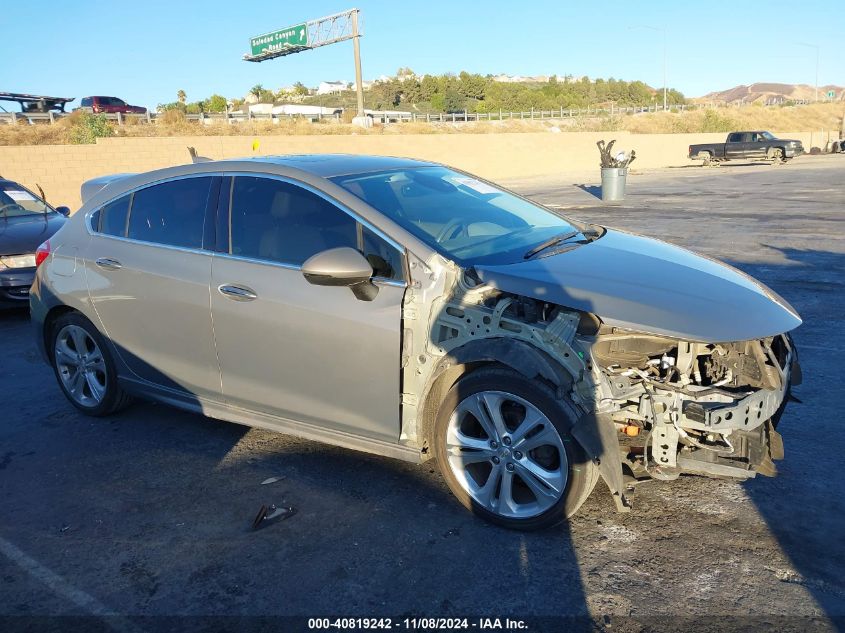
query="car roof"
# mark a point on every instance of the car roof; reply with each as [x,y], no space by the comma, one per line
[330,165]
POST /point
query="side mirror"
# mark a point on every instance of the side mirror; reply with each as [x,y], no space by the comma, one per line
[343,266]
[65,211]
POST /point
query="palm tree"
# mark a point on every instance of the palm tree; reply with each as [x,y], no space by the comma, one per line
[181,96]
[256,90]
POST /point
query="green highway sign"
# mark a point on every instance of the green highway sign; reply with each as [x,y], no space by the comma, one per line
[296,35]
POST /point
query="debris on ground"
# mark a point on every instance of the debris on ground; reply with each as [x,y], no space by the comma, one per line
[272,480]
[271,513]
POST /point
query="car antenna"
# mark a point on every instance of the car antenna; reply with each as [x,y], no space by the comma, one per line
[43,199]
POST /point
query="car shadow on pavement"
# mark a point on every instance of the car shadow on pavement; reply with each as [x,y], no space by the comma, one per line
[803,506]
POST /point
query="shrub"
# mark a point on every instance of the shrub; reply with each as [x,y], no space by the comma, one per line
[715,122]
[175,116]
[86,128]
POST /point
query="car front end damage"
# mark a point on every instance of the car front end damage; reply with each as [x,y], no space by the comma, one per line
[652,406]
[685,407]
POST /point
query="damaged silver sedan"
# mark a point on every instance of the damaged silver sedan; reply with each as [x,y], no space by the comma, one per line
[410,310]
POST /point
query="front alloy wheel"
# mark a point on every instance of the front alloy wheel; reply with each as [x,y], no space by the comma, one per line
[506,454]
[505,449]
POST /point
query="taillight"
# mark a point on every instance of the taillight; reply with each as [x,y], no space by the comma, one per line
[42,253]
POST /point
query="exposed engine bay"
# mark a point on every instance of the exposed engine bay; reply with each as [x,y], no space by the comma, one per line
[673,406]
[694,407]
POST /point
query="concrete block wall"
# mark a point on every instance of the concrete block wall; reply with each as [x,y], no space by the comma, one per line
[61,169]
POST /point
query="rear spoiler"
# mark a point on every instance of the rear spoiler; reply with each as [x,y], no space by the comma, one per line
[90,187]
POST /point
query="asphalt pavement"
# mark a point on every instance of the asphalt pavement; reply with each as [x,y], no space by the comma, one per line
[148,513]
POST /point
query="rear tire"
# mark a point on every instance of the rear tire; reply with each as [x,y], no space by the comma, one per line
[84,367]
[505,448]
[705,157]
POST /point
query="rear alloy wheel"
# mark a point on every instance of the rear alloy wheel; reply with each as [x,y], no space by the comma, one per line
[84,368]
[504,446]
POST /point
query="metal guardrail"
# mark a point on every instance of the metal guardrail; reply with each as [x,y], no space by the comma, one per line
[386,117]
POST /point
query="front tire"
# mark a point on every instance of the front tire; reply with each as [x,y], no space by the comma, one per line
[505,448]
[84,367]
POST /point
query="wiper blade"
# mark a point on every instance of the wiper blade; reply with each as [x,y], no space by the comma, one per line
[557,239]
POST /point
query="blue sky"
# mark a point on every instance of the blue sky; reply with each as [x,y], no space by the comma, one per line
[145,52]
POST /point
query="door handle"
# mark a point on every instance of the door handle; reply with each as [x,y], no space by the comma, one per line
[108,264]
[237,293]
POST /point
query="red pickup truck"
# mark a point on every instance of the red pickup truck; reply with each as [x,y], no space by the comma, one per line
[109,105]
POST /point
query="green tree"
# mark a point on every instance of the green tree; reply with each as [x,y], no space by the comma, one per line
[181,96]
[215,103]
[454,101]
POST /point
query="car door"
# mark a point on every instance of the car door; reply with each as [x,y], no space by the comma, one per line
[757,146]
[737,145]
[148,277]
[307,353]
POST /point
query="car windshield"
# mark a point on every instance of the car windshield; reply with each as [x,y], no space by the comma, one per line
[16,201]
[468,220]
[768,136]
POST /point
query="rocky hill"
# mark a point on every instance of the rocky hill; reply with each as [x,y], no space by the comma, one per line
[768,93]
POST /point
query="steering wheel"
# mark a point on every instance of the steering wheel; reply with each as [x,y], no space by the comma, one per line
[11,204]
[448,231]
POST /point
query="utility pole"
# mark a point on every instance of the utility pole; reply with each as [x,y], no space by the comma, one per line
[359,89]
[664,70]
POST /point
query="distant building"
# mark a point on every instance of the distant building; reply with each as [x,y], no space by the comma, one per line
[520,79]
[365,85]
[331,87]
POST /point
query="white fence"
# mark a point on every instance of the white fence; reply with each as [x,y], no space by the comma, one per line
[33,118]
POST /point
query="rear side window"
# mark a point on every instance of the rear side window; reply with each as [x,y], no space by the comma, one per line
[111,219]
[734,138]
[281,222]
[86,102]
[172,213]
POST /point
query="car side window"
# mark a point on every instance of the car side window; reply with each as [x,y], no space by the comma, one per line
[111,219]
[386,260]
[171,213]
[282,222]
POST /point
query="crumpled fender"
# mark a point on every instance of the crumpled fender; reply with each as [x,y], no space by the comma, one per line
[523,357]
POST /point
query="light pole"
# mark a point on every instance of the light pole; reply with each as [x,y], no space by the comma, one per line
[659,30]
[818,50]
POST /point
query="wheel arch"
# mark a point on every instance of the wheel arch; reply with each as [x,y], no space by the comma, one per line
[45,331]
[518,355]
